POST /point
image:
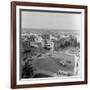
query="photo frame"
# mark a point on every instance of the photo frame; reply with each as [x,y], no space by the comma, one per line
[48,44]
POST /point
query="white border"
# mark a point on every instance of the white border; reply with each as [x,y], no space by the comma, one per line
[49,80]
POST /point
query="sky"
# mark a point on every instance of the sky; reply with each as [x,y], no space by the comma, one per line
[44,20]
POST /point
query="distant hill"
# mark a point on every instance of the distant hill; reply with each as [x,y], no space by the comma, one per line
[28,30]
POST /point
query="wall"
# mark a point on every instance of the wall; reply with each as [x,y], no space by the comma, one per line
[5,45]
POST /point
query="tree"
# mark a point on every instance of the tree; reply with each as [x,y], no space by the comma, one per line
[32,38]
[27,70]
[46,36]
